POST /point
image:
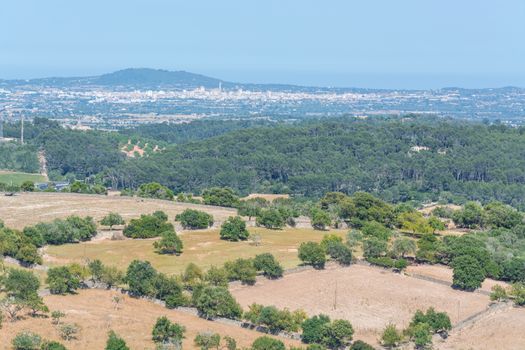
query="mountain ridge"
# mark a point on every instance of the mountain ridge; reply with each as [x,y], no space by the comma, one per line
[161,78]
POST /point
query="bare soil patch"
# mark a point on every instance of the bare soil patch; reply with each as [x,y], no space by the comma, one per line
[94,311]
[368,297]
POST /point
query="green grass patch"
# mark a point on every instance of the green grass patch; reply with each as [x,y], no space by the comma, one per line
[17,178]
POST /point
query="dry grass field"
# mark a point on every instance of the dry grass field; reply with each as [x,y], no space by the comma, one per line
[94,311]
[503,329]
[29,208]
[267,196]
[202,247]
[444,273]
[368,297]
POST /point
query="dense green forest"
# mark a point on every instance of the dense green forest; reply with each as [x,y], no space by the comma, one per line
[455,160]
[196,130]
[398,159]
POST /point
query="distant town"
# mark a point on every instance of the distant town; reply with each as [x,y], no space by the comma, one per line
[136,96]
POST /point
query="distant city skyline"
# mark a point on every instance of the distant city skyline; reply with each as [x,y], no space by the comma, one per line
[405,44]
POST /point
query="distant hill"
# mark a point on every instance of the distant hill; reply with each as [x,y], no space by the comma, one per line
[155,78]
[148,78]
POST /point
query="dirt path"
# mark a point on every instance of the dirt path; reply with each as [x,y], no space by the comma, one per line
[43,164]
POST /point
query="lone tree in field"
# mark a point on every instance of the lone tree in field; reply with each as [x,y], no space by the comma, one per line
[207,340]
[111,220]
[194,219]
[167,333]
[312,253]
[234,229]
[170,243]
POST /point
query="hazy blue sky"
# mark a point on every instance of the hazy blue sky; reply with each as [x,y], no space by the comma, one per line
[372,43]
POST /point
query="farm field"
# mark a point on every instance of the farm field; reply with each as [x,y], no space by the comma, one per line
[18,178]
[30,208]
[444,273]
[94,311]
[202,247]
[368,297]
[502,329]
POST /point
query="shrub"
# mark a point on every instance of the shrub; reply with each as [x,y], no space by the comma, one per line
[468,274]
[498,293]
[192,275]
[71,230]
[271,219]
[312,253]
[140,278]
[27,341]
[224,197]
[517,292]
[28,255]
[217,276]
[423,325]
[320,219]
[337,334]
[27,186]
[403,246]
[217,302]
[207,340]
[69,331]
[268,265]
[115,342]
[361,345]
[111,220]
[234,229]
[166,332]
[241,270]
[154,190]
[61,280]
[53,345]
[421,335]
[56,316]
[267,343]
[20,284]
[340,253]
[374,247]
[194,219]
[329,240]
[148,226]
[377,230]
[274,319]
[391,337]
[170,243]
[313,329]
